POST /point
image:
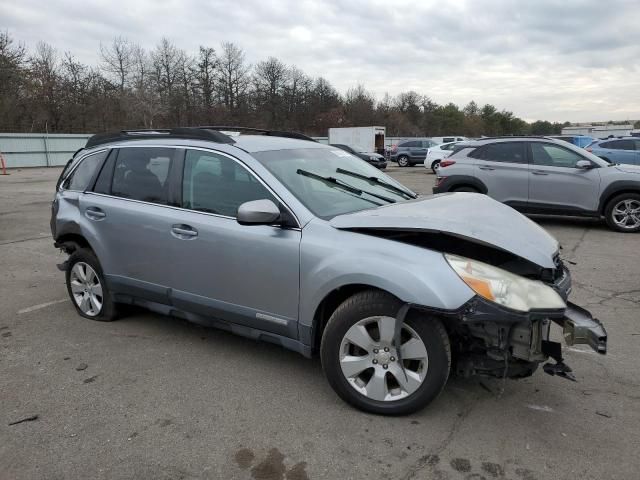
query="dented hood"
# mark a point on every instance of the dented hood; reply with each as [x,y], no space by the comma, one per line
[472,216]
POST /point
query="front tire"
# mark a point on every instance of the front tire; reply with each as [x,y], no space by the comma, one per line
[361,362]
[87,288]
[622,213]
[403,161]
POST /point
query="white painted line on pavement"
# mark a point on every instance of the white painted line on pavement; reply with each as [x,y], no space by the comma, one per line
[41,305]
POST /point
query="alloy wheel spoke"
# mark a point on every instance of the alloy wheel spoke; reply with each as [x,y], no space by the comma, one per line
[377,386]
[359,336]
[410,383]
[413,349]
[95,304]
[91,276]
[85,303]
[386,326]
[352,366]
[78,269]
[76,287]
[97,290]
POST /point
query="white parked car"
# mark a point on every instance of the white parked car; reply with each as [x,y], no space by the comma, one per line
[437,153]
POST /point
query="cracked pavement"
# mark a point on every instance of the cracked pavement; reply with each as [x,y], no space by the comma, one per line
[154,397]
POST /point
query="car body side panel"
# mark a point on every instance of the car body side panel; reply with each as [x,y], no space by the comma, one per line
[331,258]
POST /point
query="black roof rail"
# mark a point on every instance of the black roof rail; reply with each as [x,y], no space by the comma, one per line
[192,133]
[270,133]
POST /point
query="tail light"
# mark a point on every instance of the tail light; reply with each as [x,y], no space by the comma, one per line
[446,163]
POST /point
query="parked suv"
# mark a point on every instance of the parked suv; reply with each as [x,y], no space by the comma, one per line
[277,238]
[617,150]
[411,153]
[543,175]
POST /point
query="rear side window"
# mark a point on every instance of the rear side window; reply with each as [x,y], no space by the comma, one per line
[447,139]
[81,177]
[506,152]
[621,145]
[216,184]
[411,144]
[142,174]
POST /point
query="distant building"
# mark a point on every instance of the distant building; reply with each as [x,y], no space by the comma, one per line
[599,131]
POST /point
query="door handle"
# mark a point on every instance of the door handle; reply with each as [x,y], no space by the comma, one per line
[539,172]
[486,168]
[94,213]
[183,232]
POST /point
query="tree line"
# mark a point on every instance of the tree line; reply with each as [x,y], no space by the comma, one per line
[130,87]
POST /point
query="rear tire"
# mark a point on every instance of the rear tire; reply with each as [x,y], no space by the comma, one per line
[427,358]
[435,165]
[403,161]
[87,288]
[622,213]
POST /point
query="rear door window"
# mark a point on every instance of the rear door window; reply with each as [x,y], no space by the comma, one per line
[217,184]
[505,152]
[622,145]
[553,155]
[412,145]
[143,174]
[81,177]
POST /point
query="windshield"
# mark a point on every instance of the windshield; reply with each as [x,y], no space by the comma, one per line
[331,182]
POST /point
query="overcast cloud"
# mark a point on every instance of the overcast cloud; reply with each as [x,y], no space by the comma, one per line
[544,59]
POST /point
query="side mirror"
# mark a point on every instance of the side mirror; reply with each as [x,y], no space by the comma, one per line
[584,164]
[258,212]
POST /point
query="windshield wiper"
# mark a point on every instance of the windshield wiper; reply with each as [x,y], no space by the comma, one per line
[337,183]
[377,181]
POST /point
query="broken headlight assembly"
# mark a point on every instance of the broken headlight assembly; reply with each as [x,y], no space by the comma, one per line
[504,288]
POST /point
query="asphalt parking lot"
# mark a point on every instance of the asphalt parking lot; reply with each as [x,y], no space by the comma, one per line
[159,398]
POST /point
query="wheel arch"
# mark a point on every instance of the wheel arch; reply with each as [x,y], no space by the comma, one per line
[457,181]
[615,189]
[331,301]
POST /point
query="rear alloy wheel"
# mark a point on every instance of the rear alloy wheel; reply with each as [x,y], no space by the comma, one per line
[403,161]
[366,368]
[623,213]
[87,288]
[435,165]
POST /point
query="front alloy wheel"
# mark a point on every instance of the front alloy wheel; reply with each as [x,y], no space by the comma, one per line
[372,365]
[623,213]
[366,367]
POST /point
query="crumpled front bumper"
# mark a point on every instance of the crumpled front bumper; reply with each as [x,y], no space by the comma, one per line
[579,327]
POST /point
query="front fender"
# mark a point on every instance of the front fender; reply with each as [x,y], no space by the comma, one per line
[332,258]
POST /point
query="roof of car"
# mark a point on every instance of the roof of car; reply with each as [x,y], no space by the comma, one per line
[261,143]
[486,140]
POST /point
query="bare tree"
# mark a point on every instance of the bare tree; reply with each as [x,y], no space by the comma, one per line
[207,64]
[118,59]
[232,78]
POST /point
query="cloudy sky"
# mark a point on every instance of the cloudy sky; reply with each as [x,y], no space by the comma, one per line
[575,60]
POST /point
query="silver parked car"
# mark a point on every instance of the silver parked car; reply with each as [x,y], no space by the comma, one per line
[279,238]
[545,176]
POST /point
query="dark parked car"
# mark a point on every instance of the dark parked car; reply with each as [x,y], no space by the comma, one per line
[411,153]
[374,159]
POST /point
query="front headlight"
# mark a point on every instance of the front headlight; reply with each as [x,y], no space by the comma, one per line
[504,288]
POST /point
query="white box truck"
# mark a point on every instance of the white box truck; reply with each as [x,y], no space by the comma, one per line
[361,139]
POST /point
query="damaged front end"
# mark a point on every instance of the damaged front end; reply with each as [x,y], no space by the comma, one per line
[490,339]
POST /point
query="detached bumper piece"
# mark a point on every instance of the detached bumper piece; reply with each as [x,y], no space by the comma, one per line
[578,327]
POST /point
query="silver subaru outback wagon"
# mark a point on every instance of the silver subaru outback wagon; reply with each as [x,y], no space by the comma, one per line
[279,238]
